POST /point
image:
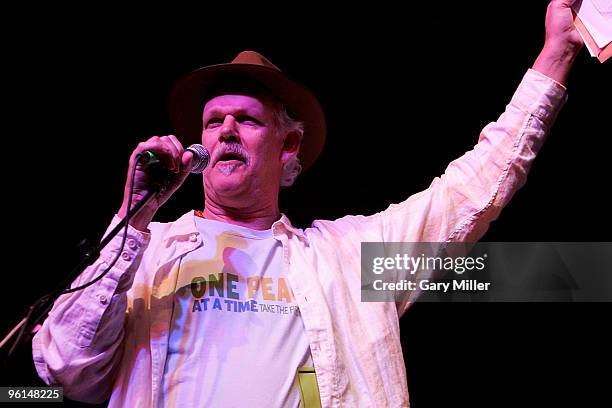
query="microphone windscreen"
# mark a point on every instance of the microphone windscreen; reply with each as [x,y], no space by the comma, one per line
[201,158]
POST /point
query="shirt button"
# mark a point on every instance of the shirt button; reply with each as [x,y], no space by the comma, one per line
[132,244]
[193,237]
[103,299]
[126,256]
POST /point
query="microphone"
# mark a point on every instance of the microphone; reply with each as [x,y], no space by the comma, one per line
[200,161]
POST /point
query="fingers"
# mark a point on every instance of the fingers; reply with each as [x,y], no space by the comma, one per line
[176,144]
[568,3]
[185,156]
[167,148]
[186,161]
[561,3]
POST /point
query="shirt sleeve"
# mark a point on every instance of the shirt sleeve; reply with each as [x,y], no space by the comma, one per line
[459,205]
[80,343]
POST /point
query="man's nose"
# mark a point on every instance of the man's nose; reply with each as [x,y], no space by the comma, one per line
[229,130]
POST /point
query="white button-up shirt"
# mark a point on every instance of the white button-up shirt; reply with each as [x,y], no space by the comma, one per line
[110,339]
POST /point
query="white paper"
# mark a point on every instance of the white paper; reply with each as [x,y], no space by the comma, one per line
[596,15]
[604,7]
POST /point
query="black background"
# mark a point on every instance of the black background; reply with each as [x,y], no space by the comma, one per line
[405,92]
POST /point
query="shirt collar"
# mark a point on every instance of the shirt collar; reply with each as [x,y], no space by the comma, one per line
[185,225]
[283,223]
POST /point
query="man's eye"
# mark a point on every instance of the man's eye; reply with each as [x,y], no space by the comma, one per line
[248,120]
[212,123]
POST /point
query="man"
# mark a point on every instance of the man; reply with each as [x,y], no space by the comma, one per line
[227,306]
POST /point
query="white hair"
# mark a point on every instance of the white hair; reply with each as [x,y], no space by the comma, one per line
[285,125]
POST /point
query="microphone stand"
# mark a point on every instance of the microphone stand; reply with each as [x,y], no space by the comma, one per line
[39,310]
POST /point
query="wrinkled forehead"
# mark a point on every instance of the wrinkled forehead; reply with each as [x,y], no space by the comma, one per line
[240,86]
[236,104]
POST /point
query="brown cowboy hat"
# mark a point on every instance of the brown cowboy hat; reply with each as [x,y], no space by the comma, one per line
[188,96]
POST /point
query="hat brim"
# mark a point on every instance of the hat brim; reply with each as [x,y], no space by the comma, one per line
[188,96]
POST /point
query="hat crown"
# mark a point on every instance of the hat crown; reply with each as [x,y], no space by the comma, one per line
[253,58]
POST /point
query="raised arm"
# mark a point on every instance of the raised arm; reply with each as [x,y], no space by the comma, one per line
[562,42]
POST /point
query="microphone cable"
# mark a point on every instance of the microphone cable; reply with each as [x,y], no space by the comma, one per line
[123,239]
[25,322]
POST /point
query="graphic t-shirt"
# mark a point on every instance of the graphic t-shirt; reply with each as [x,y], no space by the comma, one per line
[237,337]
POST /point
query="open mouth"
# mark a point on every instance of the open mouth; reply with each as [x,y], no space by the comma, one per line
[231,158]
[227,157]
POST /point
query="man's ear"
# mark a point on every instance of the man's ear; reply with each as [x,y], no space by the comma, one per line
[291,147]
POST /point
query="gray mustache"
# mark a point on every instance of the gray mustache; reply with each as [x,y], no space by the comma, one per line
[230,148]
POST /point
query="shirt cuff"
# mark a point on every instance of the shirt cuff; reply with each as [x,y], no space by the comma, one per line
[135,242]
[143,236]
[540,96]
